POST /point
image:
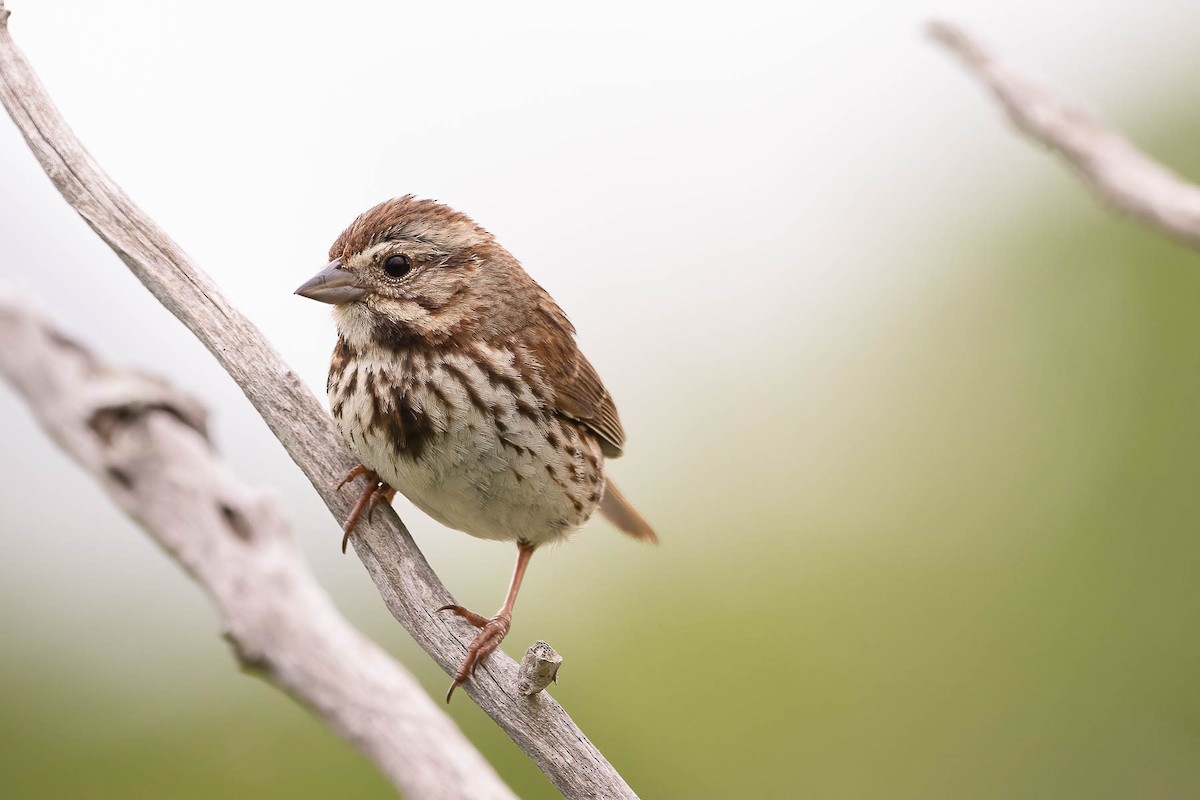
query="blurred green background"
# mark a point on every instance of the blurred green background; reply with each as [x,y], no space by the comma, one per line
[940,542]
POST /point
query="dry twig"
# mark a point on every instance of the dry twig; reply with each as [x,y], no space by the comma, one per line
[539,668]
[147,445]
[1117,172]
[408,585]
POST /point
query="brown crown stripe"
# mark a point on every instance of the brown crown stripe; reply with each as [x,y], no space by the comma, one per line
[404,217]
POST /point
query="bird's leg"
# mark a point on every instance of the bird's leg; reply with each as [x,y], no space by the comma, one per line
[376,491]
[492,631]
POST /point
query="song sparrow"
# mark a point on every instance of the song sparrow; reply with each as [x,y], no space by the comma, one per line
[456,380]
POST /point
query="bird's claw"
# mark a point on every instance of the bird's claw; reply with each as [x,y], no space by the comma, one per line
[376,491]
[491,634]
[357,472]
[384,494]
[478,620]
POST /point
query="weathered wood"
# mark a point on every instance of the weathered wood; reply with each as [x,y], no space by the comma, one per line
[146,444]
[539,668]
[408,585]
[1119,174]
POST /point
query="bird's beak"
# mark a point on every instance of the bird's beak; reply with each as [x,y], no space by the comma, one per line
[333,285]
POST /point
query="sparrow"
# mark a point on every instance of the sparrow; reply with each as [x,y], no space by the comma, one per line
[456,380]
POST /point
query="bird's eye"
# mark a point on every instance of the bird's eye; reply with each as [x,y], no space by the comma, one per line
[397,265]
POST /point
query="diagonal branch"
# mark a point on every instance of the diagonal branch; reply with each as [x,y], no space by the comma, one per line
[146,444]
[409,587]
[1116,171]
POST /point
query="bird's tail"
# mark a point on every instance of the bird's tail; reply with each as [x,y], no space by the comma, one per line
[621,513]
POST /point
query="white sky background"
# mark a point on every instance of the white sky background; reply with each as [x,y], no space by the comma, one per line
[694,183]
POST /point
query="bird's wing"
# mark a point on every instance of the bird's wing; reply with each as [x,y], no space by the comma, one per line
[579,395]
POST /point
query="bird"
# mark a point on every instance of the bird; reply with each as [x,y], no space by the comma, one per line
[457,381]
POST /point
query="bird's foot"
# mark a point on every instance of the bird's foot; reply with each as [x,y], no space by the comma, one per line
[377,491]
[491,634]
[357,472]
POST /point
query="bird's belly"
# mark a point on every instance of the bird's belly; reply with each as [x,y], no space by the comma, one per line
[531,477]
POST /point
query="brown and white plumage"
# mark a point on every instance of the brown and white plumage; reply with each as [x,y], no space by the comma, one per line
[465,337]
[457,380]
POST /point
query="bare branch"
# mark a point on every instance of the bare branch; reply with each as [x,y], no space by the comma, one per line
[146,444]
[408,585]
[1117,171]
[539,669]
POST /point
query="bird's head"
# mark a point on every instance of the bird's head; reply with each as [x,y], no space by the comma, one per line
[410,269]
